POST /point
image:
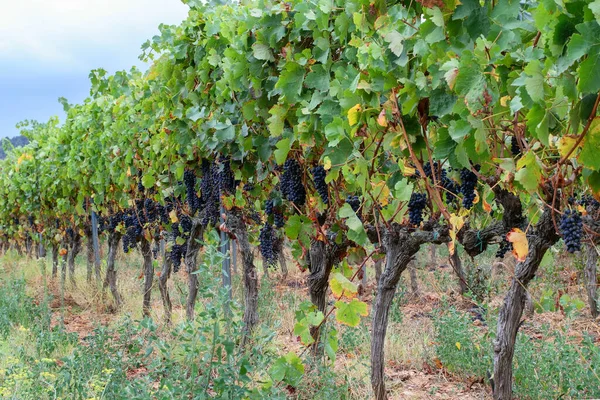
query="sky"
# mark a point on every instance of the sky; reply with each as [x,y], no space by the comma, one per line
[49,47]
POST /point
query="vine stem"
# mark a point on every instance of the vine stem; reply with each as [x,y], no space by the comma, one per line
[432,193]
[318,327]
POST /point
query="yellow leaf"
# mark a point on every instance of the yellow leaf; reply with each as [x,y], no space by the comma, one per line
[520,244]
[565,144]
[486,206]
[381,192]
[327,163]
[353,114]
[504,101]
[458,345]
[173,216]
[382,119]
[451,247]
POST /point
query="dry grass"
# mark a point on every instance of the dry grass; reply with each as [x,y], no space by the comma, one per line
[410,352]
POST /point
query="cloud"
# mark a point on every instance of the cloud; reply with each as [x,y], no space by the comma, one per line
[48,47]
[69,34]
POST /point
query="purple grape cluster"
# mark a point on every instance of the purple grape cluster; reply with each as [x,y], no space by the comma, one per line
[416,205]
[292,187]
[571,230]
[319,174]
[467,188]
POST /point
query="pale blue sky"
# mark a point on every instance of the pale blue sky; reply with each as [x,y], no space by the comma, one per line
[48,47]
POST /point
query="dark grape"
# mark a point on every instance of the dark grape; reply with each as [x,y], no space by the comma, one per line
[319,174]
[269,204]
[514,146]
[416,205]
[571,230]
[504,247]
[225,176]
[189,179]
[248,187]
[279,220]
[291,182]
[467,188]
[267,241]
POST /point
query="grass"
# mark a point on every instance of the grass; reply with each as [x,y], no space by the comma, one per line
[77,348]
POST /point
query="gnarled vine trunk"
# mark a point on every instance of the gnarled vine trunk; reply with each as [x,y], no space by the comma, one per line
[591,278]
[400,247]
[110,279]
[90,252]
[55,249]
[146,251]
[321,264]
[542,238]
[377,266]
[191,263]
[456,264]
[74,249]
[236,224]
[165,274]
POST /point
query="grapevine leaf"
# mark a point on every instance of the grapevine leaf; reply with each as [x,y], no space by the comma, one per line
[589,152]
[356,231]
[353,114]
[262,52]
[518,238]
[290,81]
[342,286]
[349,313]
[148,180]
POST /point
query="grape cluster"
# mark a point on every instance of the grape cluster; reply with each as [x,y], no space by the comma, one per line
[278,220]
[416,205]
[514,146]
[267,242]
[210,193]
[225,176]
[270,209]
[571,229]
[319,174]
[467,188]
[292,187]
[248,187]
[589,201]
[189,179]
[178,252]
[451,188]
[269,206]
[504,247]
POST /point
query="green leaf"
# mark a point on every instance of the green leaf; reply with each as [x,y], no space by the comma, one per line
[290,81]
[396,42]
[262,52]
[589,72]
[318,78]
[357,231]
[342,286]
[589,152]
[276,121]
[148,180]
[300,227]
[350,313]
[288,369]
[529,173]
[534,82]
[459,129]
[331,344]
[403,190]
[283,148]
